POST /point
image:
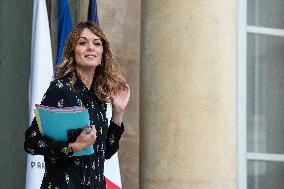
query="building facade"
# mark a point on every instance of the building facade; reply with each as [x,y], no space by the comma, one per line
[206,109]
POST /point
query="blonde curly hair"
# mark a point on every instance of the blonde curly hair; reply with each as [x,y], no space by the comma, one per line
[108,78]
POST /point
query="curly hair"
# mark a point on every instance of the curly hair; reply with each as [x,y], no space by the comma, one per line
[108,76]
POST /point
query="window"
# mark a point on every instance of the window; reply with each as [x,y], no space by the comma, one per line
[261,94]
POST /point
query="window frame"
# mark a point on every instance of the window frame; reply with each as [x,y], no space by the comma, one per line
[242,153]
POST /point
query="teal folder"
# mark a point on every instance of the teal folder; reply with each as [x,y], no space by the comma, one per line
[54,123]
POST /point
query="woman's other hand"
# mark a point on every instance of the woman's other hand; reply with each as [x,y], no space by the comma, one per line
[85,139]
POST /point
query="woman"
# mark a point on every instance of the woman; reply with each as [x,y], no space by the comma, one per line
[88,76]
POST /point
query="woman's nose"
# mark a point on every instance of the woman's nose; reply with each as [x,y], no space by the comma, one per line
[91,46]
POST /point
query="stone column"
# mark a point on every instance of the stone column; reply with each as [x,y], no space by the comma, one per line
[188,94]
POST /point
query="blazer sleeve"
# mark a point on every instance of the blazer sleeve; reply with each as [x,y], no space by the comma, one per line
[113,137]
[37,144]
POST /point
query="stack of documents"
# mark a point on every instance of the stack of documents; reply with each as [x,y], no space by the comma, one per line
[55,122]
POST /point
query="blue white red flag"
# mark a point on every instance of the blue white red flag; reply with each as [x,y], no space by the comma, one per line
[112,172]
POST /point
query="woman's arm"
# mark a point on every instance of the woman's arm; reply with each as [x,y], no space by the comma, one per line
[116,127]
[113,136]
[35,142]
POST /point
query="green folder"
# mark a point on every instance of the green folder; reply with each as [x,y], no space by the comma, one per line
[55,122]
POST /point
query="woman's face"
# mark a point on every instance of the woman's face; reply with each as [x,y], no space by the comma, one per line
[88,50]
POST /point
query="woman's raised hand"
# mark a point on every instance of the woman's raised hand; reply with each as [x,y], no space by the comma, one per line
[119,103]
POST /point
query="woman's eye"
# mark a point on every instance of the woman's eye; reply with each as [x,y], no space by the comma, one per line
[82,42]
[98,43]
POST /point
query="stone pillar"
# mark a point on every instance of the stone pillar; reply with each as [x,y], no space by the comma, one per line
[188,94]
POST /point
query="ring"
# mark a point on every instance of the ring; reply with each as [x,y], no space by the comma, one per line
[88,131]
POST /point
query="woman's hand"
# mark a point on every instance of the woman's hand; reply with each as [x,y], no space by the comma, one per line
[85,139]
[119,103]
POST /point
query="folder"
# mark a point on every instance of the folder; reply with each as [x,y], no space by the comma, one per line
[55,122]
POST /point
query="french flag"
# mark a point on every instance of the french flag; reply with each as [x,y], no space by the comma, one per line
[112,172]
